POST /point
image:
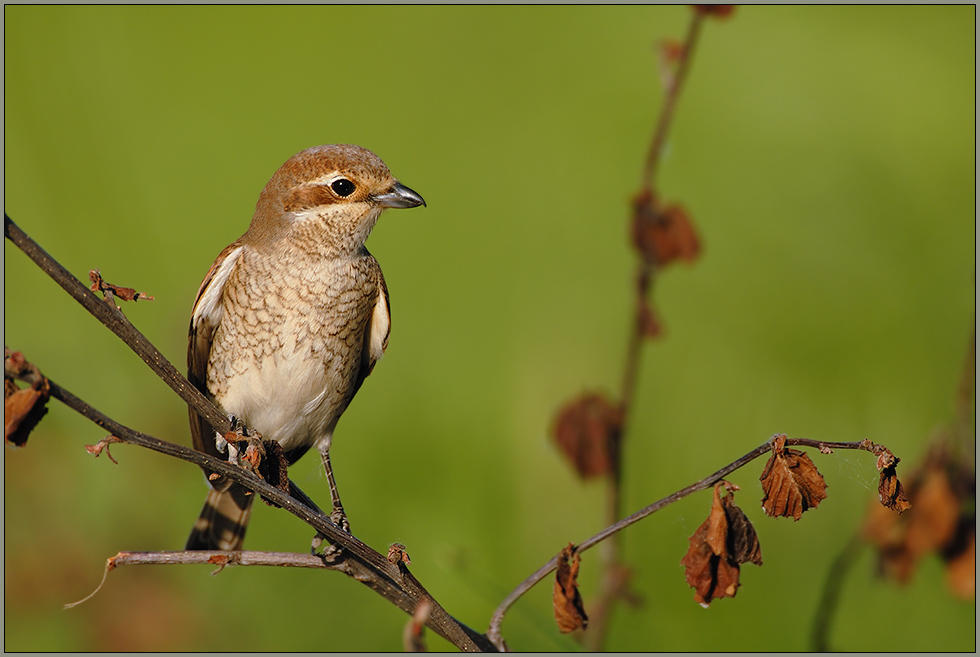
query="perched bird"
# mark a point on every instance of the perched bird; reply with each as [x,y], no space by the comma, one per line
[291,318]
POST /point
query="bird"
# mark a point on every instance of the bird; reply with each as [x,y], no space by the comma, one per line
[290,319]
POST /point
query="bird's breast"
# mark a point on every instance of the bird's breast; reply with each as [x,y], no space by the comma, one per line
[286,356]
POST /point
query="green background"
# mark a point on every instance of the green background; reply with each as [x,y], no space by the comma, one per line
[826,155]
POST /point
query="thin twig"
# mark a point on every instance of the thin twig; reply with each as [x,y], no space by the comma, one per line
[655,154]
[221,558]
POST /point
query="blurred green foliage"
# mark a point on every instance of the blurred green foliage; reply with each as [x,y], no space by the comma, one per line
[826,154]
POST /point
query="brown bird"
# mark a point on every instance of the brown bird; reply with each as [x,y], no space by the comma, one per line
[291,318]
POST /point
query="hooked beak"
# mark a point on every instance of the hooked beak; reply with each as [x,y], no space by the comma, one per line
[399,196]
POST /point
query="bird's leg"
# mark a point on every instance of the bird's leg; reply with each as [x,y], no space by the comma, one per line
[337,516]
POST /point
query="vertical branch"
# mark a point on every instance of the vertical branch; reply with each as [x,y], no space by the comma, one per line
[613,578]
[836,575]
[655,155]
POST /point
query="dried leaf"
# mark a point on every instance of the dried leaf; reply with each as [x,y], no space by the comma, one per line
[649,322]
[708,574]
[397,553]
[791,483]
[718,11]
[961,570]
[743,542]
[221,560]
[587,431]
[941,518]
[722,542]
[566,599]
[22,410]
[890,491]
[671,51]
[669,54]
[663,235]
[124,293]
[96,449]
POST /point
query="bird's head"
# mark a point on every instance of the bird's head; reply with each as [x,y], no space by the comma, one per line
[329,195]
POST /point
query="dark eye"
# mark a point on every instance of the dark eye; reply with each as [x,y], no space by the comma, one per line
[342,187]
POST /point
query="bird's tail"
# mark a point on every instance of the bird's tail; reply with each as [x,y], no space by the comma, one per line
[223,520]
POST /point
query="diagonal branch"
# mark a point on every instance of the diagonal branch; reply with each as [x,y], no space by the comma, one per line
[118,323]
[356,559]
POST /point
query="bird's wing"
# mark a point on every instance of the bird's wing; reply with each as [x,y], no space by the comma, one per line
[205,318]
[376,336]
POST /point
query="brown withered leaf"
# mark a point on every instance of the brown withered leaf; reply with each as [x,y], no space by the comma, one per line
[941,518]
[890,491]
[961,570]
[671,51]
[934,523]
[886,531]
[743,542]
[566,599]
[587,431]
[650,325]
[103,445]
[718,547]
[398,553]
[717,11]
[23,409]
[663,234]
[791,483]
[124,293]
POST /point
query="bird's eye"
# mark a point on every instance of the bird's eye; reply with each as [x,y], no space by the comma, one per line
[342,187]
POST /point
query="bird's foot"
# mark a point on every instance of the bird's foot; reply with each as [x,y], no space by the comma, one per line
[332,551]
[339,518]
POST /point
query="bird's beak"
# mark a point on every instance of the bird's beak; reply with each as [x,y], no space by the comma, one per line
[399,196]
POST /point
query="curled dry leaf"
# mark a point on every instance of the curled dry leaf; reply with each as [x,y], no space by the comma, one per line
[650,325]
[23,409]
[397,553]
[221,560]
[961,570]
[587,431]
[941,518]
[566,599]
[718,547]
[718,11]
[124,293]
[669,54]
[890,491]
[791,483]
[671,51]
[97,449]
[663,235]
